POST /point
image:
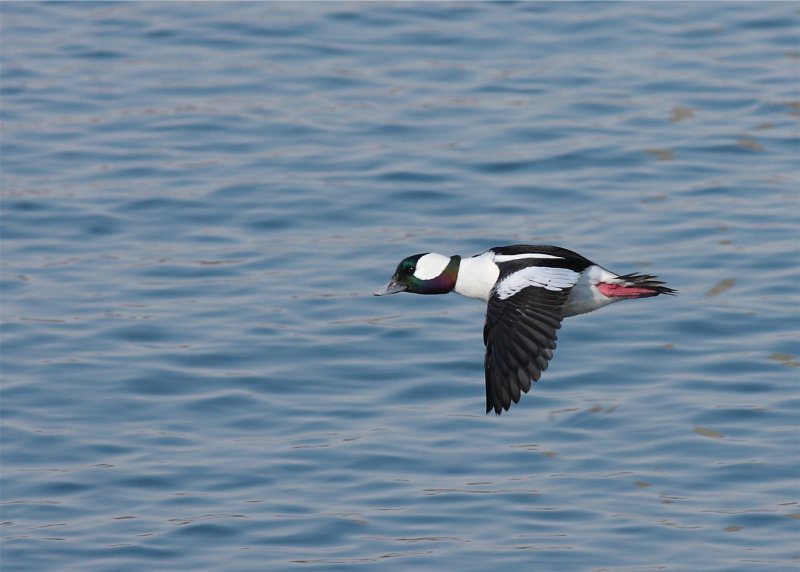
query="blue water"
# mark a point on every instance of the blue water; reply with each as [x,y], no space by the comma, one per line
[198,200]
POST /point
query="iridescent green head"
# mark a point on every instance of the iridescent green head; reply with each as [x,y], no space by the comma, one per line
[427,273]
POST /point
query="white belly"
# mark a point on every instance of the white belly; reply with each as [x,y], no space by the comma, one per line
[584,297]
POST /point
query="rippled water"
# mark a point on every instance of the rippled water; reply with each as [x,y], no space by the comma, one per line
[198,199]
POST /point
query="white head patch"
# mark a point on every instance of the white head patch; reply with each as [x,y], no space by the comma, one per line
[555,279]
[431,265]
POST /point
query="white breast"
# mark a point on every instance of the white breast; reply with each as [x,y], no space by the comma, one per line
[477,276]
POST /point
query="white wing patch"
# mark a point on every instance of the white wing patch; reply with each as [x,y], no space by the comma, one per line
[508,257]
[555,279]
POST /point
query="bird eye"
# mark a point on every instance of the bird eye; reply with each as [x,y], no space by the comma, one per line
[412,269]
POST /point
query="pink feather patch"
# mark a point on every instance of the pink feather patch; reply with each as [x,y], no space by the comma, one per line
[622,291]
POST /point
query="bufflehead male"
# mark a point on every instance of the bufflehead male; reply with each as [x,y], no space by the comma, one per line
[529,290]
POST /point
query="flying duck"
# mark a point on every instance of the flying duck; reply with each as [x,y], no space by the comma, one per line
[529,290]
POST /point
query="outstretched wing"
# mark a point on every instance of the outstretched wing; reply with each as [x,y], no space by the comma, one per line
[523,314]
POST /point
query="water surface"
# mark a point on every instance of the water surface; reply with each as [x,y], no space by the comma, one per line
[198,200]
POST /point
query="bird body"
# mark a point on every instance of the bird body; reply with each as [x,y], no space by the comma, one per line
[528,289]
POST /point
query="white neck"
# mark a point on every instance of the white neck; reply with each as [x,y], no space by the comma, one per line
[477,276]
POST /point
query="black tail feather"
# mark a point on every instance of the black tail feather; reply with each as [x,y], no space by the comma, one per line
[648,281]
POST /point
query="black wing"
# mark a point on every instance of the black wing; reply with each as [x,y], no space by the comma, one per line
[520,336]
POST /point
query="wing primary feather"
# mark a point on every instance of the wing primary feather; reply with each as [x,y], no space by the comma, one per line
[520,336]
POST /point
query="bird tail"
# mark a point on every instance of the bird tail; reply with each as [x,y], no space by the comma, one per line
[637,285]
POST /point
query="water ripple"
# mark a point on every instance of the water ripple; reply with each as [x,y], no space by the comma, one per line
[197,204]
